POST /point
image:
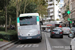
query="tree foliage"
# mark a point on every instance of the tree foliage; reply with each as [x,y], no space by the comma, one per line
[16,7]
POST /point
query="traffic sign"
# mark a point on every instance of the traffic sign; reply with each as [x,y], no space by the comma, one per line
[68,12]
[68,19]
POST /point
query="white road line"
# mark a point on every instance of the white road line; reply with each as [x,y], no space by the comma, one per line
[30,45]
[18,46]
[47,43]
[21,46]
[35,45]
[26,45]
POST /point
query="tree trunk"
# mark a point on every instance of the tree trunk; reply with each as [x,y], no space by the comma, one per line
[25,5]
[9,20]
[16,13]
[24,8]
[6,18]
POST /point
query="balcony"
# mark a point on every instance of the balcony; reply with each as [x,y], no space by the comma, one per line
[50,2]
[51,14]
[51,10]
[50,6]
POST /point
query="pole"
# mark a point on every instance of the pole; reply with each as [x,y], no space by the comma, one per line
[6,16]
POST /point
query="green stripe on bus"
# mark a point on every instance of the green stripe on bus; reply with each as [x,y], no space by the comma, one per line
[18,21]
[37,18]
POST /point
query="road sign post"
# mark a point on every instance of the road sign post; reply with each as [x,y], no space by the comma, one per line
[68,12]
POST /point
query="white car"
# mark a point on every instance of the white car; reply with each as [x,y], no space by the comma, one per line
[66,30]
[72,45]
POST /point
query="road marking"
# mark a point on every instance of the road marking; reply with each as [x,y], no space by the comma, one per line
[26,45]
[30,45]
[21,46]
[35,45]
[18,46]
[47,43]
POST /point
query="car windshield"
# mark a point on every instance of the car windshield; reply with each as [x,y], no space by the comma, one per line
[55,30]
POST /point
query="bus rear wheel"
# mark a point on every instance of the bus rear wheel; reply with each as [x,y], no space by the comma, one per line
[40,39]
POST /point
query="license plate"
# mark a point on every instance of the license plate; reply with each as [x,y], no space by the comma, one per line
[29,37]
[57,33]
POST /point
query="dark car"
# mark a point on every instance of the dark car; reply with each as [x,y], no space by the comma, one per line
[56,33]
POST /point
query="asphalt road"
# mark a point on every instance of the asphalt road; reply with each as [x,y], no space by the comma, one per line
[30,45]
[59,43]
[46,44]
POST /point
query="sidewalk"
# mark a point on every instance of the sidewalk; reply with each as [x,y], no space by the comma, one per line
[2,43]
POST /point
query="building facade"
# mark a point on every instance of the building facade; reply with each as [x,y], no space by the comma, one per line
[72,9]
[65,8]
[54,11]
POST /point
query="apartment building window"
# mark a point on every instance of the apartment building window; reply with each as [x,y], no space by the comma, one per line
[72,0]
[68,1]
[73,5]
[50,4]
[59,12]
[59,15]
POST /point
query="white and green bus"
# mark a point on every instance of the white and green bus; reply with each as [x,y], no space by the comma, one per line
[28,26]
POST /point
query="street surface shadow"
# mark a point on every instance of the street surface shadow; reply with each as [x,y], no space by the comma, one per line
[56,38]
[28,41]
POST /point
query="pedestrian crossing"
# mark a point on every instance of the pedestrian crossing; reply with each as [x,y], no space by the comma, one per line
[27,45]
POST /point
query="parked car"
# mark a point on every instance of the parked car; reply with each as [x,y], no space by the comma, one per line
[56,33]
[66,30]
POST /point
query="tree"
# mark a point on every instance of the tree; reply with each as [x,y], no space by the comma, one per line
[31,8]
[26,2]
[11,13]
[18,4]
[41,7]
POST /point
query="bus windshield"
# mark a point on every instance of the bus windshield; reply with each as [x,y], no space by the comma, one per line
[28,20]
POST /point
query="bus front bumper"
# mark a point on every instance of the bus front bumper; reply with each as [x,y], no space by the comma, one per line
[29,37]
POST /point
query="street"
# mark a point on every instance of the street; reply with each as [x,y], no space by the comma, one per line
[46,44]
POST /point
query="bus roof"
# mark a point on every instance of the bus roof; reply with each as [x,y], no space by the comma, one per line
[29,14]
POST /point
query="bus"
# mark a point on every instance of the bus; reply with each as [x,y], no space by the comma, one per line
[28,26]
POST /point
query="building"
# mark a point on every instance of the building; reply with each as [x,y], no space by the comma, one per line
[64,9]
[72,14]
[54,14]
[72,9]
[54,11]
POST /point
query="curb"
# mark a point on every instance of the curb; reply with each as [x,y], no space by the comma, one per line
[9,45]
[4,44]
